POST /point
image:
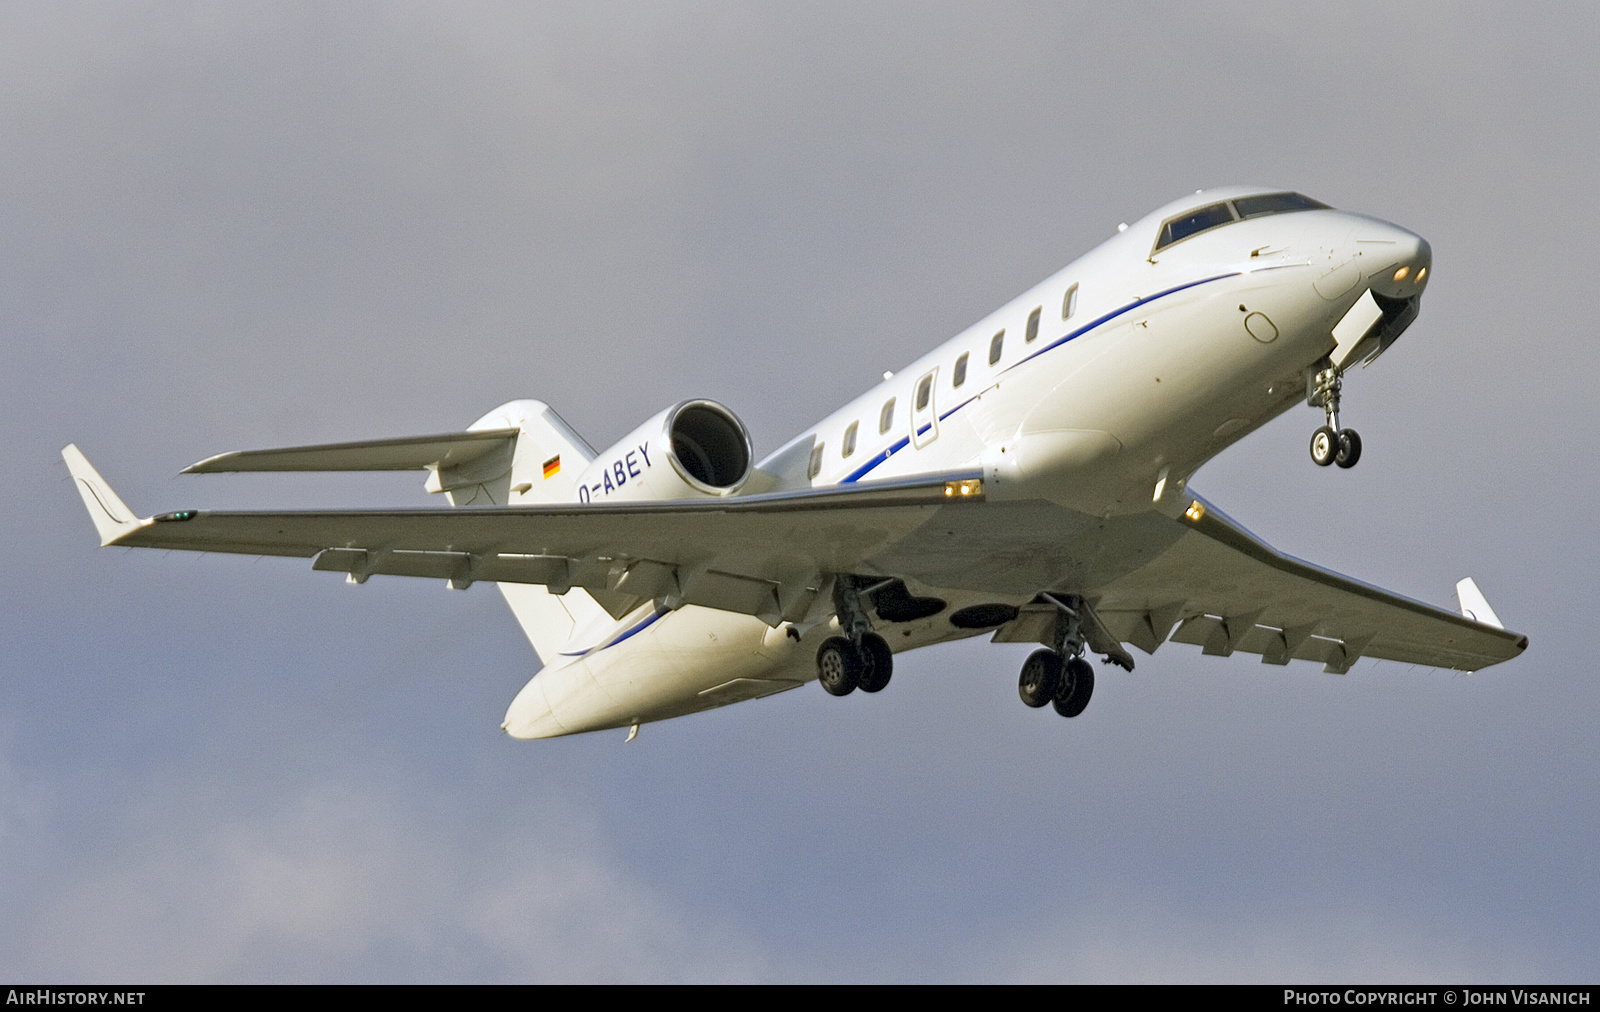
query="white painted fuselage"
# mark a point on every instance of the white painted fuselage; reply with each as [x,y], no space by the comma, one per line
[1101,389]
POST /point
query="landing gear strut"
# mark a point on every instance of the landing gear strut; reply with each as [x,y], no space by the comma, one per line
[1331,444]
[859,659]
[1059,676]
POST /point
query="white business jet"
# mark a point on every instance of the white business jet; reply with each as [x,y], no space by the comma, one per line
[1026,480]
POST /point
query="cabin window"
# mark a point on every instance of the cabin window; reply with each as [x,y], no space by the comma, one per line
[924,392]
[1069,303]
[958,375]
[996,344]
[849,446]
[1033,325]
[886,416]
[815,467]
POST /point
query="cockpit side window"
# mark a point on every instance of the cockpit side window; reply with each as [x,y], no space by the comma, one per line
[1193,223]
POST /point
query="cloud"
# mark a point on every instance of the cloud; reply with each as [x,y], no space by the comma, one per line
[1149,943]
[334,884]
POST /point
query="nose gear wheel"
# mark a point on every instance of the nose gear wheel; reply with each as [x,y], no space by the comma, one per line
[1349,449]
[1331,444]
[1324,446]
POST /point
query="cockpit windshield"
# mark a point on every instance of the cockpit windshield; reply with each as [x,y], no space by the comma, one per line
[1225,212]
[1276,203]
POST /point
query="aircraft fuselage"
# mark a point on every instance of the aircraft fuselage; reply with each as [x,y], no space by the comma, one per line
[1101,390]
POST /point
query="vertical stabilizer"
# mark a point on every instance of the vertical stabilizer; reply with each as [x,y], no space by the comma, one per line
[545,462]
[545,465]
[548,620]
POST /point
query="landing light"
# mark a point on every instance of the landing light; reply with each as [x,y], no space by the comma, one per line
[1400,275]
[1195,511]
[1422,274]
[957,489]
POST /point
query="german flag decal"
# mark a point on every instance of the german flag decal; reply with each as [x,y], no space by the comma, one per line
[552,466]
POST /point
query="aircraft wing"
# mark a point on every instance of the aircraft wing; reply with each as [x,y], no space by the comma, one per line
[1230,591]
[763,555]
[768,555]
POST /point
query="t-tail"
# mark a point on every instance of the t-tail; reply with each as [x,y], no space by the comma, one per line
[521,453]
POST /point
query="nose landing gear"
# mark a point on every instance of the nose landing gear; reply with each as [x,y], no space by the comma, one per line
[1331,444]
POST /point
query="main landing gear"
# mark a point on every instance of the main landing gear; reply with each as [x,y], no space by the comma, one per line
[1331,444]
[843,667]
[1059,676]
[1048,678]
[860,659]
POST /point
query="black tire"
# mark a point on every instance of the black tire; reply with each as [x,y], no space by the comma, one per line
[1041,677]
[1077,685]
[839,666]
[1349,448]
[879,663]
[1324,446]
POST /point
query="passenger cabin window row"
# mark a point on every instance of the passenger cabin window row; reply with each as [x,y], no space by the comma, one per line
[924,390]
[1226,212]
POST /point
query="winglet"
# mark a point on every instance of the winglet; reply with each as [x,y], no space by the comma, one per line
[1474,605]
[112,518]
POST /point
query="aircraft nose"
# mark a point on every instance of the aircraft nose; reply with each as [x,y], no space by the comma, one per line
[1395,261]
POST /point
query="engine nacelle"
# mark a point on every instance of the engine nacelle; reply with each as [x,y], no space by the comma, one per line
[692,449]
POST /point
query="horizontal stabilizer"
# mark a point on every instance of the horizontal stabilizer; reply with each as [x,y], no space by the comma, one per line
[450,449]
[110,514]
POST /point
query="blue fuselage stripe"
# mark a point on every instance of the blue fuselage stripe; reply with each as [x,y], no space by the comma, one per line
[633,630]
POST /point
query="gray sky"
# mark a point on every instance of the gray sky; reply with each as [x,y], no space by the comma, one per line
[230,228]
